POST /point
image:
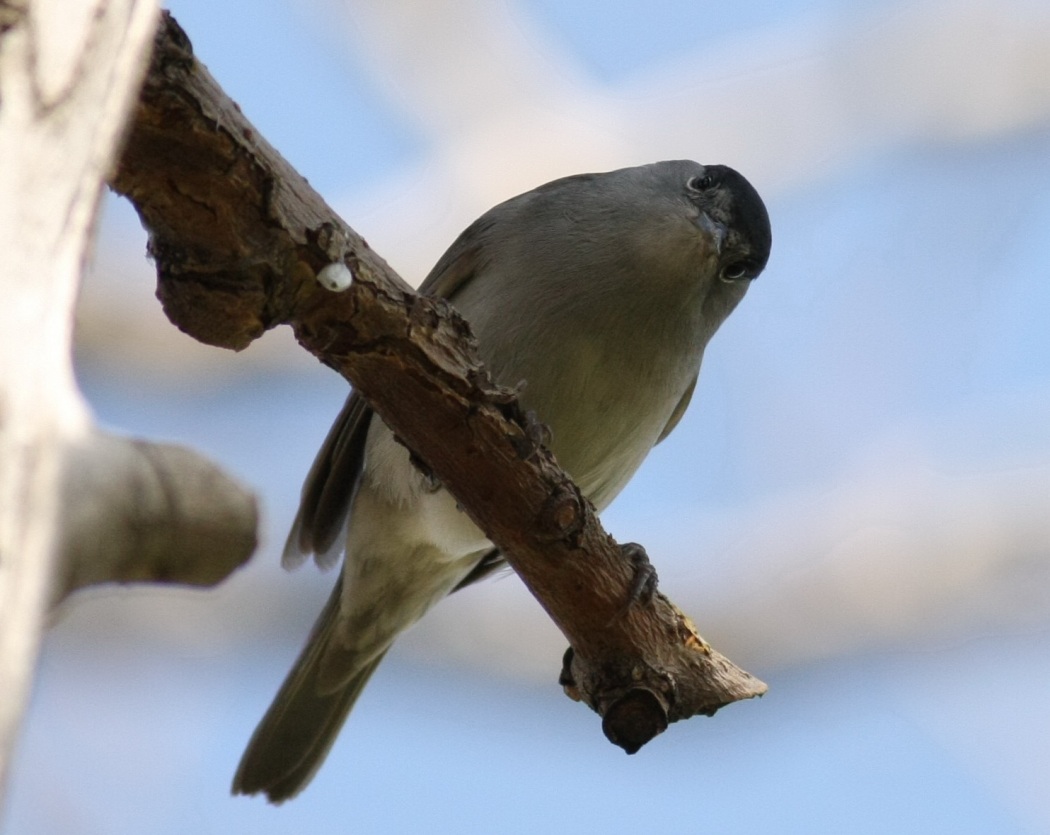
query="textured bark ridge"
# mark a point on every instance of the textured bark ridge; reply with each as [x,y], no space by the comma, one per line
[239,238]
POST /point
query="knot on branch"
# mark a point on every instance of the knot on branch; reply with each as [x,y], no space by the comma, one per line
[563,514]
[333,240]
[632,714]
[634,719]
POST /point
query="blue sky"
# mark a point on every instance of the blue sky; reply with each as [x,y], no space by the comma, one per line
[854,508]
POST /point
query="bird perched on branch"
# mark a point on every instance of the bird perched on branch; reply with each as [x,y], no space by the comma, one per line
[600,292]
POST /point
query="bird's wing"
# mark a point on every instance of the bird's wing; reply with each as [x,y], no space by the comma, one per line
[330,485]
[460,263]
[466,257]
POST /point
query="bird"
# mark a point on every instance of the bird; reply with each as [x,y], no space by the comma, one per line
[596,294]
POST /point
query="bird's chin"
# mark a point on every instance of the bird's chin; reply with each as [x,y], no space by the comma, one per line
[715,232]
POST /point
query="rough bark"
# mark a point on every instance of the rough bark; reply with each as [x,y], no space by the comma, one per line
[239,239]
[72,504]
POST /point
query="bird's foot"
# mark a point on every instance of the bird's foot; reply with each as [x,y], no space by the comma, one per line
[644,582]
[431,483]
[537,434]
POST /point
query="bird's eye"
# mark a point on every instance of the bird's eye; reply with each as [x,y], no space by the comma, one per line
[736,271]
[701,183]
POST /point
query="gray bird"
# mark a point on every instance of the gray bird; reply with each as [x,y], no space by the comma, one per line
[600,291]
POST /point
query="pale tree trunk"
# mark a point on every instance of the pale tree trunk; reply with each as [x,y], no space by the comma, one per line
[77,506]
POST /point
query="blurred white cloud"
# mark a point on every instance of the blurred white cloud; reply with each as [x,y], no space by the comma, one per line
[504,108]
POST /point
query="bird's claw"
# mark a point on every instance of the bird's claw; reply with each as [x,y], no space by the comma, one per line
[431,483]
[644,582]
[537,434]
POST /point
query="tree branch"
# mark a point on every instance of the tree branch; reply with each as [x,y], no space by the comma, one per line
[169,515]
[239,238]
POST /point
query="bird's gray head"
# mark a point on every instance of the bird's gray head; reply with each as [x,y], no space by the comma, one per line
[728,200]
[717,200]
[693,235]
[671,241]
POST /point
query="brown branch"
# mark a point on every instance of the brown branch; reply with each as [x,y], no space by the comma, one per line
[239,237]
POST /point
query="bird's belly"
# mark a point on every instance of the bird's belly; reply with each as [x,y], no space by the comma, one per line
[605,412]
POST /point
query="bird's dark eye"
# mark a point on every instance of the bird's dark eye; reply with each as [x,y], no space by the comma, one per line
[701,183]
[736,271]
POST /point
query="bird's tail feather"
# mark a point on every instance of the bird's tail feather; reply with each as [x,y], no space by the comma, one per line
[295,735]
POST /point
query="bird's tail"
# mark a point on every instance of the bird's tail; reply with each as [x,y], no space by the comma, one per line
[295,735]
